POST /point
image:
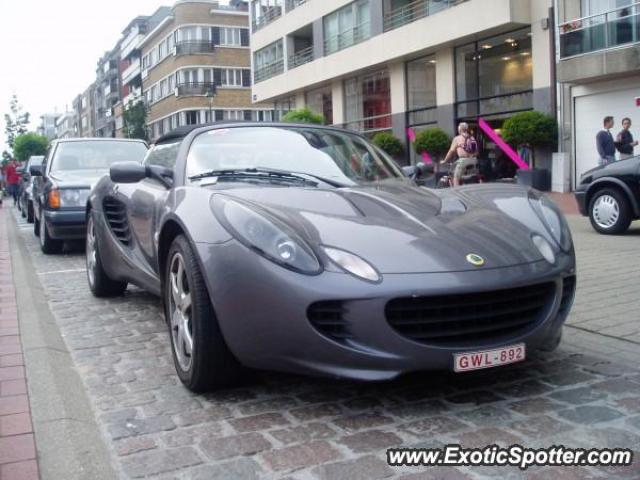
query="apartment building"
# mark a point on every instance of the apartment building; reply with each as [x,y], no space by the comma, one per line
[84,112]
[599,70]
[66,125]
[47,125]
[375,65]
[196,67]
[107,92]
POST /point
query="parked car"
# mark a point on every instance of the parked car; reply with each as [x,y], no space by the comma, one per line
[26,188]
[306,249]
[64,179]
[610,195]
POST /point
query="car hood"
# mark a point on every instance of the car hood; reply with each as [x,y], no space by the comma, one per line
[405,229]
[77,179]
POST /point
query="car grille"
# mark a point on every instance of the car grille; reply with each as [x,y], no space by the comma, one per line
[568,292]
[327,318]
[449,320]
[116,215]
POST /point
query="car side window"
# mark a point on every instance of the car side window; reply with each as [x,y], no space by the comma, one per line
[164,155]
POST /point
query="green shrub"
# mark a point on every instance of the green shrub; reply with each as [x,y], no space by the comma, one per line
[304,115]
[534,129]
[434,141]
[389,143]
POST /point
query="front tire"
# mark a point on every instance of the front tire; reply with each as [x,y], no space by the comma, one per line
[36,225]
[100,284]
[610,212]
[29,212]
[48,245]
[202,359]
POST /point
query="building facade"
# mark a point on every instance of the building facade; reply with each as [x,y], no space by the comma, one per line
[196,67]
[47,125]
[598,68]
[107,92]
[66,125]
[376,65]
[84,113]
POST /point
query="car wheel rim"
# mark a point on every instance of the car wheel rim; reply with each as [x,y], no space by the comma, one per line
[606,211]
[92,254]
[42,231]
[181,311]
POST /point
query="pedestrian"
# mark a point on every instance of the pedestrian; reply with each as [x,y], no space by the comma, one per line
[605,144]
[624,141]
[13,180]
[465,149]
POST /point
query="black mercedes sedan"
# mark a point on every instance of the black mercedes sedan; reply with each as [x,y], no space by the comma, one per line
[64,179]
[610,195]
[306,249]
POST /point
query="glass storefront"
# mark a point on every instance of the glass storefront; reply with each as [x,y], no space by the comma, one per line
[367,101]
[421,91]
[320,100]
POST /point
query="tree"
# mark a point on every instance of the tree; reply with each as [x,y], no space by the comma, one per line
[389,143]
[16,121]
[304,115]
[28,144]
[134,120]
[434,141]
[530,130]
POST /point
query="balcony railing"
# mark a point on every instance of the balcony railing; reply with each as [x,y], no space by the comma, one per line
[188,89]
[346,39]
[612,29]
[415,11]
[292,4]
[267,17]
[194,47]
[376,123]
[269,70]
[301,57]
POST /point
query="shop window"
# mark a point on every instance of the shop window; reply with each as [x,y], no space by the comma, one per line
[368,102]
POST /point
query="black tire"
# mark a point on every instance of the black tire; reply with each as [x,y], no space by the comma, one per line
[211,365]
[100,284]
[36,226]
[616,200]
[29,212]
[48,245]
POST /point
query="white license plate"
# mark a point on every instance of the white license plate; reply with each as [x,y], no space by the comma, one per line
[464,362]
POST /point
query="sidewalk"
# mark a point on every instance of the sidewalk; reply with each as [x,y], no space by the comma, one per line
[567,202]
[17,445]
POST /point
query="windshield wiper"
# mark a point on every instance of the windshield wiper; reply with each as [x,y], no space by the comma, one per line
[255,173]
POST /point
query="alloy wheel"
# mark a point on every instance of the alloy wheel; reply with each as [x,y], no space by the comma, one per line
[606,211]
[91,251]
[181,311]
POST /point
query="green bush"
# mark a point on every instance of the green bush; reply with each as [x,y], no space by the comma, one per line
[533,129]
[389,143]
[434,141]
[28,144]
[304,115]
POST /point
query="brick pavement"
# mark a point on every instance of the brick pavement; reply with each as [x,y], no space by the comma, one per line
[17,446]
[586,394]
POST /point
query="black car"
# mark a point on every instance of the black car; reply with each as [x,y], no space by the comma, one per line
[610,195]
[63,181]
[25,201]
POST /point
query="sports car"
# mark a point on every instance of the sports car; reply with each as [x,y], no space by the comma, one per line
[307,249]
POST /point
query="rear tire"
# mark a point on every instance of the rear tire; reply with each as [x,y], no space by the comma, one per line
[29,212]
[100,284]
[48,245]
[610,212]
[36,226]
[201,356]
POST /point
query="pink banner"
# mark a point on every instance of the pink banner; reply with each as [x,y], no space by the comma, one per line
[511,153]
[411,135]
[426,158]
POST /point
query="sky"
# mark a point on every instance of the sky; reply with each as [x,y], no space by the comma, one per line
[49,49]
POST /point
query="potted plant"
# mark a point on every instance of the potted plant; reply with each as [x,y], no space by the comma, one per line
[528,131]
[389,143]
[304,115]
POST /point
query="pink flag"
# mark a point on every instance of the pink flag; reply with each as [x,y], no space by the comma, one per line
[493,135]
[426,158]
[411,134]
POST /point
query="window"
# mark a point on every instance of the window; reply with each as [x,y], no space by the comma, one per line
[164,155]
[595,7]
[269,61]
[262,116]
[321,101]
[231,77]
[347,26]
[421,90]
[192,117]
[230,37]
[368,102]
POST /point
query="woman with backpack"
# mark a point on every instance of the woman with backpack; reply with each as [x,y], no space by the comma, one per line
[465,148]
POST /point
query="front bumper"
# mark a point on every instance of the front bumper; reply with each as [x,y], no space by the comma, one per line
[581,198]
[262,311]
[66,224]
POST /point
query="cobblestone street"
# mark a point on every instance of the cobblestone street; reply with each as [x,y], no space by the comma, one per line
[586,394]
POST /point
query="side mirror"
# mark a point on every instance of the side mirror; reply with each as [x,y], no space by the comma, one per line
[35,170]
[127,172]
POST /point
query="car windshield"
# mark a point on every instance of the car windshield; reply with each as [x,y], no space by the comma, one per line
[340,157]
[95,155]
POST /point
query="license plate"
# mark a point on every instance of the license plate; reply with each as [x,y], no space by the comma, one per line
[465,362]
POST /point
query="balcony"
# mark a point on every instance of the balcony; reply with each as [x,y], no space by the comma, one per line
[194,47]
[348,38]
[269,70]
[131,72]
[301,57]
[614,29]
[293,4]
[268,16]
[415,10]
[191,89]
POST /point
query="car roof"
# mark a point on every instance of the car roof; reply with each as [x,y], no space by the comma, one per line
[98,139]
[181,132]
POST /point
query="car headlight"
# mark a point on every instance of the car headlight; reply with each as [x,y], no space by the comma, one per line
[265,235]
[68,197]
[352,264]
[553,219]
[544,247]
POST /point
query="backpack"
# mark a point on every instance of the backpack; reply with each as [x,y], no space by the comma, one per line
[470,145]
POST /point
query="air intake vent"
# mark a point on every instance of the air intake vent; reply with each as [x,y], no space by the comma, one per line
[116,215]
[458,320]
[327,318]
[568,293]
